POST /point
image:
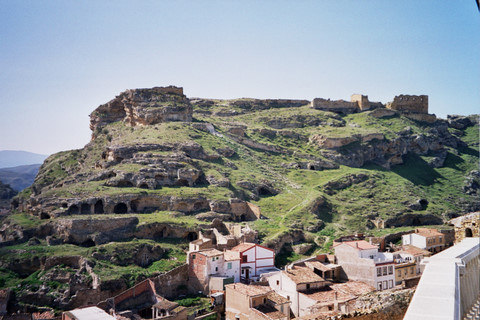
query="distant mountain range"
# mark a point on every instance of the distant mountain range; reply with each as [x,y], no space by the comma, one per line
[19,177]
[14,158]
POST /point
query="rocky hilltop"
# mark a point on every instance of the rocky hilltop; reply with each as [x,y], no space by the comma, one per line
[163,169]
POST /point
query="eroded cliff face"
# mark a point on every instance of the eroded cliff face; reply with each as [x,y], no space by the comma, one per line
[140,107]
[156,150]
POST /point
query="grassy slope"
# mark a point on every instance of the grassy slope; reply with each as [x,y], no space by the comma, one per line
[382,195]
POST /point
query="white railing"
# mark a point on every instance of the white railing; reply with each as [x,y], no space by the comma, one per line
[450,283]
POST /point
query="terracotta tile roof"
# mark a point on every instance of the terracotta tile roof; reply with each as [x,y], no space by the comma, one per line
[278,299]
[270,312]
[302,275]
[200,241]
[414,251]
[230,255]
[249,290]
[210,252]
[428,232]
[43,315]
[321,266]
[243,246]
[345,291]
[360,245]
[165,304]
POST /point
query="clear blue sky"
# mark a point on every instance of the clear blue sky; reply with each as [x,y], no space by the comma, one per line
[60,59]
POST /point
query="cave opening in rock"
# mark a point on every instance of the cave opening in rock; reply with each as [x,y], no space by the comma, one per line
[262,191]
[124,184]
[134,205]
[311,167]
[44,215]
[88,243]
[64,205]
[468,233]
[243,217]
[191,236]
[120,208]
[181,183]
[85,208]
[159,234]
[99,207]
[73,209]
[143,186]
[416,222]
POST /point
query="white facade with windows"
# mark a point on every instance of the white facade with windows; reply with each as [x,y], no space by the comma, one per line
[361,261]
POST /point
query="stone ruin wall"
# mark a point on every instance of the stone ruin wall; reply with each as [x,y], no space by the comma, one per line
[410,104]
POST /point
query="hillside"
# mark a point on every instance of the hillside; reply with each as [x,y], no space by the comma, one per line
[161,168]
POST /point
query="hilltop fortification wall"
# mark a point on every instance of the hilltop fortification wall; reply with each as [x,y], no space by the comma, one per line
[409,103]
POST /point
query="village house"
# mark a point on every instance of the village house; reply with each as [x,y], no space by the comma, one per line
[88,313]
[412,253]
[405,269]
[361,261]
[143,300]
[292,283]
[335,298]
[323,265]
[254,260]
[254,302]
[427,239]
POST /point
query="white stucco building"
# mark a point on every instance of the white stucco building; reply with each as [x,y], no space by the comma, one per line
[361,261]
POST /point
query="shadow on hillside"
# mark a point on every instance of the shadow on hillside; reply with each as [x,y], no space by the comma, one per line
[417,170]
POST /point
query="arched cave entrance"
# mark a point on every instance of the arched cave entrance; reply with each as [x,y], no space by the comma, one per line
[120,208]
[134,205]
[124,184]
[181,183]
[243,218]
[468,233]
[88,243]
[99,207]
[416,221]
[311,167]
[191,236]
[262,191]
[44,215]
[143,186]
[85,208]
[159,234]
[73,209]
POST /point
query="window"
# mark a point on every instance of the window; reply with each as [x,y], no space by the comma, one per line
[390,269]
[406,271]
[216,268]
[391,284]
[385,284]
[384,271]
[216,258]
[264,300]
[244,258]
[379,285]
[281,308]
[379,272]
[193,257]
[229,265]
[213,259]
[411,270]
[243,271]
[288,297]
[278,282]
[399,273]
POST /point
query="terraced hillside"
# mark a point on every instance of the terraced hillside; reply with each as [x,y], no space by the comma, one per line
[161,168]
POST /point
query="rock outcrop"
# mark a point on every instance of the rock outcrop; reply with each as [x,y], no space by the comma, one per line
[142,107]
